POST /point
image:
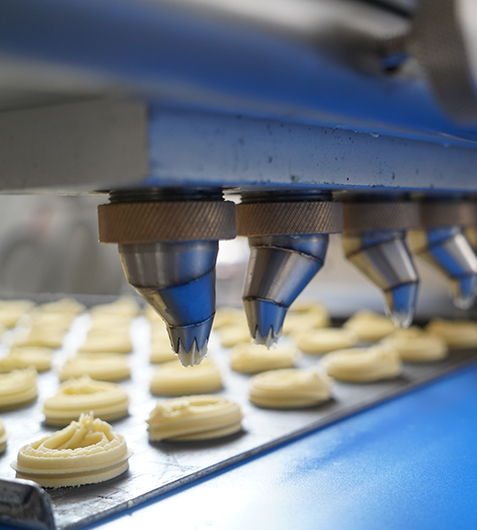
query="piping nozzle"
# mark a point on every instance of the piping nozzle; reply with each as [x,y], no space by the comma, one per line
[288,242]
[374,240]
[168,251]
[442,243]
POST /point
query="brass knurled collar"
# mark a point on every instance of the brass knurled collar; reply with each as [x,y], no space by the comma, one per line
[361,216]
[280,218]
[458,213]
[145,222]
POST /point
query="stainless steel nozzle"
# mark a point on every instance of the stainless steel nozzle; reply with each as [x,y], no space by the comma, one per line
[443,244]
[288,242]
[168,250]
[374,240]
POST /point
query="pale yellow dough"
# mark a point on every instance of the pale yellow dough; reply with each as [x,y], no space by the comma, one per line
[416,345]
[55,319]
[290,388]
[3,437]
[107,341]
[47,337]
[194,418]
[107,401]
[18,388]
[229,316]
[173,379]
[64,306]
[232,335]
[320,341]
[370,327]
[161,350]
[12,310]
[85,452]
[252,358]
[458,334]
[100,366]
[303,316]
[20,358]
[125,306]
[363,365]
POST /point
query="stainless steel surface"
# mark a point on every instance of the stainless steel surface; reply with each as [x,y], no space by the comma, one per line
[178,280]
[384,258]
[160,467]
[280,267]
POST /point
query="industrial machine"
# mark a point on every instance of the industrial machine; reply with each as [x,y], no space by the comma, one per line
[312,117]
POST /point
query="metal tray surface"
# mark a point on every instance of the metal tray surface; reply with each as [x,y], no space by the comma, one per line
[156,468]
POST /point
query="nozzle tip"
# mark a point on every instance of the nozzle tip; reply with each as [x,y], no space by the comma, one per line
[269,339]
[193,356]
[190,342]
[464,291]
[265,320]
[401,303]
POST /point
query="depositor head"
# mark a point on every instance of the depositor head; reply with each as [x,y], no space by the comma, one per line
[374,240]
[288,238]
[442,243]
[168,250]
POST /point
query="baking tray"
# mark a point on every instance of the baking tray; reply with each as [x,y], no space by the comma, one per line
[159,467]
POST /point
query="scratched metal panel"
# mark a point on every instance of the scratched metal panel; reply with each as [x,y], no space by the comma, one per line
[160,467]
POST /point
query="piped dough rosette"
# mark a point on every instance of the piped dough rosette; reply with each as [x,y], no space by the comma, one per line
[290,388]
[100,366]
[173,379]
[232,335]
[107,401]
[64,306]
[229,316]
[12,310]
[3,437]
[21,358]
[416,345]
[458,334]
[194,418]
[85,452]
[252,358]
[18,388]
[107,340]
[125,306]
[320,341]
[369,326]
[363,365]
[42,336]
[303,316]
[161,351]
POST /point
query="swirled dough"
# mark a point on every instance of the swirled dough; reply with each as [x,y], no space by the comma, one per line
[289,388]
[44,319]
[319,341]
[20,358]
[161,350]
[252,358]
[303,316]
[458,334]
[416,345]
[173,379]
[229,316]
[64,306]
[103,322]
[3,437]
[232,335]
[85,452]
[125,306]
[47,337]
[100,366]
[12,310]
[18,387]
[194,418]
[363,365]
[107,341]
[107,401]
[370,327]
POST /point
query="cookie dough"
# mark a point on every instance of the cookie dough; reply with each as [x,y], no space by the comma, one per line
[43,336]
[232,335]
[107,341]
[194,418]
[458,334]
[229,316]
[65,305]
[370,327]
[100,366]
[44,319]
[85,452]
[18,388]
[12,310]
[173,379]
[161,350]
[103,322]
[125,306]
[20,358]
[254,358]
[416,345]
[107,401]
[319,341]
[289,389]
[363,365]
[3,437]
[305,315]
